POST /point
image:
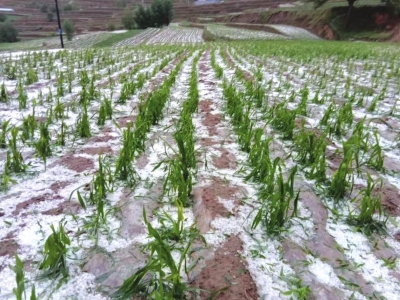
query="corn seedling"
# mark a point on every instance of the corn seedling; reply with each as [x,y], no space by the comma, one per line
[178,180]
[5,129]
[31,76]
[370,205]
[283,119]
[124,167]
[55,251]
[305,143]
[29,126]
[3,94]
[176,231]
[19,291]
[83,125]
[376,158]
[259,158]
[302,108]
[277,196]
[61,136]
[297,289]
[22,97]
[219,72]
[343,178]
[42,146]
[14,161]
[326,116]
[160,278]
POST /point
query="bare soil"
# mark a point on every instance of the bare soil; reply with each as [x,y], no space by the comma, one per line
[227,273]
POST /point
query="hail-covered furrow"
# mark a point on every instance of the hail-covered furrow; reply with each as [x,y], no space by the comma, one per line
[100,127]
[301,233]
[367,250]
[50,204]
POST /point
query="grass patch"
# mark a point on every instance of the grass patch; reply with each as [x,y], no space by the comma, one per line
[117,37]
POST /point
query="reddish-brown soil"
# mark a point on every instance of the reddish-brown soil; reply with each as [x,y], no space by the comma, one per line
[227,160]
[227,273]
[211,121]
[390,199]
[205,106]
[8,247]
[56,186]
[76,163]
[206,204]
[123,121]
[66,208]
[97,150]
[24,205]
[101,139]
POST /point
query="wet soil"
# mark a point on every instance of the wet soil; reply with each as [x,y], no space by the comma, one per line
[226,273]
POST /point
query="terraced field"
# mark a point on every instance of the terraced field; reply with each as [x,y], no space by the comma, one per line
[240,170]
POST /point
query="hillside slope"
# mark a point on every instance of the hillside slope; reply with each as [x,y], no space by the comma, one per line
[95,15]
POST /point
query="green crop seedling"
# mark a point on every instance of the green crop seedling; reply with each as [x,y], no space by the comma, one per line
[55,252]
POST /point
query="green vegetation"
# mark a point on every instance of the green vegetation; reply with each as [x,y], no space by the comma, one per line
[159,14]
[117,37]
[128,19]
[55,252]
[8,33]
[68,28]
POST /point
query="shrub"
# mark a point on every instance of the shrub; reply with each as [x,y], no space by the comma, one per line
[128,19]
[111,27]
[69,29]
[50,16]
[8,33]
[3,17]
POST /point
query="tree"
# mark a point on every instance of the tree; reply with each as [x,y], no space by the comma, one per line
[3,18]
[162,11]
[8,33]
[143,17]
[128,19]
[319,3]
[69,29]
[159,14]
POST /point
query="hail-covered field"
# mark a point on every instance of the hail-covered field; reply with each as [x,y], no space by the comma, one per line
[257,170]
